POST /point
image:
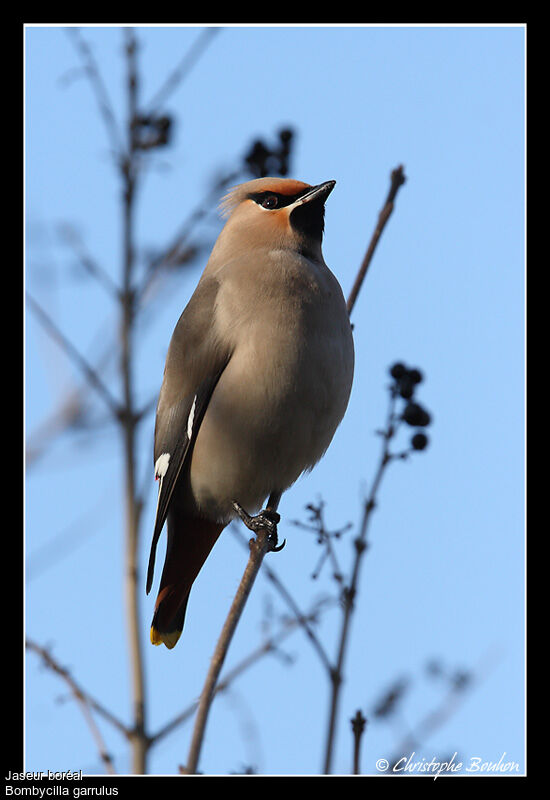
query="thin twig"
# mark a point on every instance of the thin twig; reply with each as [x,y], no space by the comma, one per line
[129,174]
[65,542]
[358,723]
[85,703]
[450,704]
[68,413]
[50,662]
[324,537]
[269,646]
[183,233]
[92,71]
[350,592]
[258,548]
[183,68]
[397,179]
[72,239]
[96,733]
[90,374]
[303,619]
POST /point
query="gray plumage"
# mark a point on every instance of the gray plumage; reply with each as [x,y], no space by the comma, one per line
[263,357]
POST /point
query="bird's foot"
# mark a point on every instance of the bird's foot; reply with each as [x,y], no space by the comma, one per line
[266,519]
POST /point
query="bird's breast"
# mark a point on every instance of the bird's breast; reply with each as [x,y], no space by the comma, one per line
[283,393]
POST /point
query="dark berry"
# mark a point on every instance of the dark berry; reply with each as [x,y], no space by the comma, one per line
[419,441]
[406,387]
[286,134]
[415,415]
[398,370]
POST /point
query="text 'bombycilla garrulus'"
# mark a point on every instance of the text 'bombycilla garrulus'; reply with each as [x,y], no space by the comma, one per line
[257,379]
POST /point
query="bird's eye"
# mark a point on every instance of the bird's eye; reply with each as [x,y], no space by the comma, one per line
[271,201]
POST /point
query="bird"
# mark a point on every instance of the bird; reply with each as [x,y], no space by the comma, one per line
[257,378]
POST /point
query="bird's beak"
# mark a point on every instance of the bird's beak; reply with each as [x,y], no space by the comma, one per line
[320,192]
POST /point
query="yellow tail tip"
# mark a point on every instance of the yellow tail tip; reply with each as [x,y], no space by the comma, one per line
[169,639]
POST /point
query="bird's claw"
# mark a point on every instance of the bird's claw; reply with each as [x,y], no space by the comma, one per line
[266,519]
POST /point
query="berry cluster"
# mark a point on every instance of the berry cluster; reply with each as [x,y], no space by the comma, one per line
[405,382]
[262,160]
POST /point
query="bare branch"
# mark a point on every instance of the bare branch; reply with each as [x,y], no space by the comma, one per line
[72,239]
[90,374]
[67,541]
[350,591]
[358,723]
[324,537]
[301,618]
[258,549]
[397,179]
[129,174]
[456,695]
[178,240]
[69,412]
[79,693]
[96,733]
[269,646]
[183,68]
[105,107]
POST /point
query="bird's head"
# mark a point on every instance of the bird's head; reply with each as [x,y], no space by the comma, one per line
[276,212]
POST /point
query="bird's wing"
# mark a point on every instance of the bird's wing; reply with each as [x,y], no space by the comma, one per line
[194,363]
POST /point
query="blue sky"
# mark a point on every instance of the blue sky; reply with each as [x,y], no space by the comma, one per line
[444,576]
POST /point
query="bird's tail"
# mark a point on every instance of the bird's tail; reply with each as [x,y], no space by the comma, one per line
[190,540]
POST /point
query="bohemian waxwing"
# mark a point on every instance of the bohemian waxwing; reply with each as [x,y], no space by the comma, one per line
[257,379]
